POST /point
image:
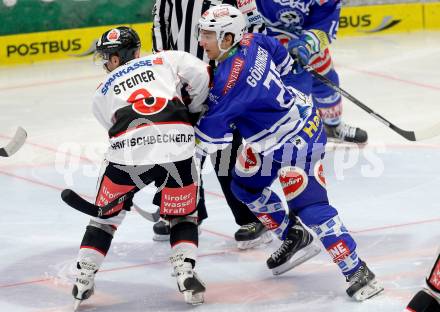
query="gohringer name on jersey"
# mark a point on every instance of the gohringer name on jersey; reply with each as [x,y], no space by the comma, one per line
[153,139]
[124,71]
[257,71]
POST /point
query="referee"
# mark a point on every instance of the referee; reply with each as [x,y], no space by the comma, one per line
[175,28]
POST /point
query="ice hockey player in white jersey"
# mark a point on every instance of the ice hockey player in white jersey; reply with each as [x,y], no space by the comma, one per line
[428,299]
[151,141]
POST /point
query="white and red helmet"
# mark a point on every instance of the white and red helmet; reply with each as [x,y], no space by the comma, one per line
[224,19]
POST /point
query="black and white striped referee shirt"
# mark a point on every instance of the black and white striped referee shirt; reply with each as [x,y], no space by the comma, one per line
[175,23]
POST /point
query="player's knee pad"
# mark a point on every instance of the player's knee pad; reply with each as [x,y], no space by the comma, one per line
[97,238]
[269,209]
[304,188]
[338,243]
[294,180]
[184,230]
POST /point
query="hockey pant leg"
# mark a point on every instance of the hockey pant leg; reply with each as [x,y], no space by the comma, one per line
[308,199]
[201,207]
[99,233]
[179,205]
[303,182]
[179,196]
[326,99]
[251,181]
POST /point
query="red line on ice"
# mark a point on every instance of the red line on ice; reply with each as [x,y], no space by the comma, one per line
[49,82]
[110,270]
[389,77]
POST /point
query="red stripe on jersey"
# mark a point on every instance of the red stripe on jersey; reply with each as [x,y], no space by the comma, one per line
[325,67]
[153,124]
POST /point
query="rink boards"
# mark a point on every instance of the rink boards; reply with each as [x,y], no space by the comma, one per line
[354,21]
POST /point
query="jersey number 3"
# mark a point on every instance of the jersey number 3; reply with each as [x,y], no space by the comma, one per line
[145,104]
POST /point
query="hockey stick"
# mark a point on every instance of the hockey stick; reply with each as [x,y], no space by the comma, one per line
[14,145]
[409,135]
[77,202]
[150,216]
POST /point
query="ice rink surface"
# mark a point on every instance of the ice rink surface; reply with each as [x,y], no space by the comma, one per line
[387,195]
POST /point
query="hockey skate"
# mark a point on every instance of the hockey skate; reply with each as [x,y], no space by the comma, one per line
[188,282]
[161,231]
[297,248]
[85,283]
[346,133]
[251,235]
[363,284]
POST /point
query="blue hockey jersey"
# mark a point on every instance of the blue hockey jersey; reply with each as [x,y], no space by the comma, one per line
[296,16]
[251,92]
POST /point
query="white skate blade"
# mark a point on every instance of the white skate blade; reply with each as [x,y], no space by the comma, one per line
[193,299]
[76,304]
[370,290]
[300,257]
[263,239]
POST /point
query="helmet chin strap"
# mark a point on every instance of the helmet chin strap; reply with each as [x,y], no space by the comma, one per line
[106,68]
[222,51]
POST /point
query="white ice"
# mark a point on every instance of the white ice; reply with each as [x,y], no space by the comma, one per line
[387,194]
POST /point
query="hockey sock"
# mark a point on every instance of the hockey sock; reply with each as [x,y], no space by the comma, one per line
[97,239]
[184,232]
[338,242]
[270,211]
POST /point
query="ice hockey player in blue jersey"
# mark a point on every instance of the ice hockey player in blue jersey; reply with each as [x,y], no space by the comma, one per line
[284,139]
[307,27]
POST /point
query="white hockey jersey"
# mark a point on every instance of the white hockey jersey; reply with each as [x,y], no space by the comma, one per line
[140,105]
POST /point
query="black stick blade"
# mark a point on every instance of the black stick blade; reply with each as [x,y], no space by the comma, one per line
[77,202]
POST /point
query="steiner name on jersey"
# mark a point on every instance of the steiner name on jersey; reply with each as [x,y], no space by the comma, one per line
[145,76]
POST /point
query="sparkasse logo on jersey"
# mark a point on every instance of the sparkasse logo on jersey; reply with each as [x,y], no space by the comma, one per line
[43,47]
